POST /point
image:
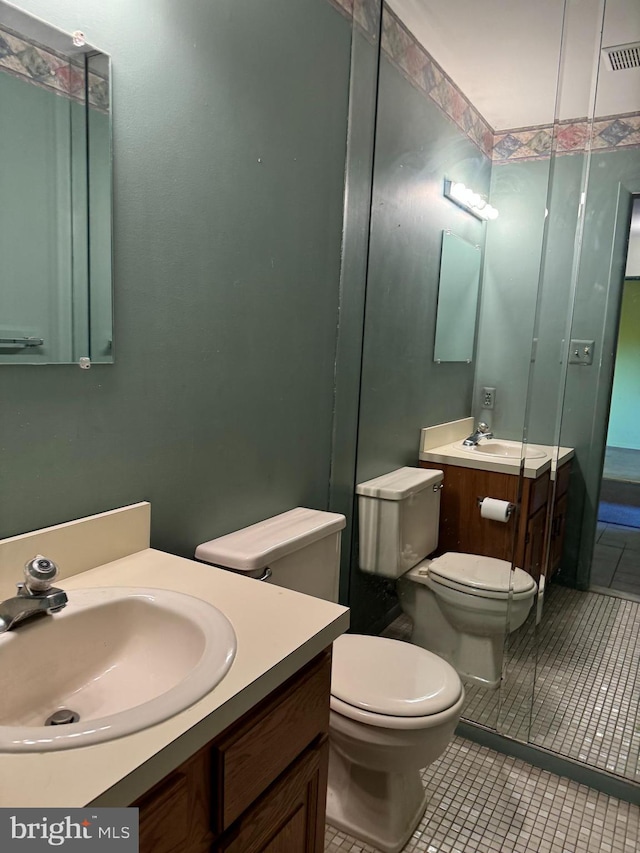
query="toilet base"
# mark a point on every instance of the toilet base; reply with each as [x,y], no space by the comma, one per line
[381,809]
[476,658]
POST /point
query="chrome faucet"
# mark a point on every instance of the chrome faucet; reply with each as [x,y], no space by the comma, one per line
[482,431]
[35,595]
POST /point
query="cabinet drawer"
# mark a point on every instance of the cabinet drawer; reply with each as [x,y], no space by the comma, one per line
[252,755]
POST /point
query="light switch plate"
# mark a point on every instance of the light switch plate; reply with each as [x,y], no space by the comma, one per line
[581,352]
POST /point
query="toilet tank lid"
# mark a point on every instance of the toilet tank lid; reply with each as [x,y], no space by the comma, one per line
[257,546]
[400,484]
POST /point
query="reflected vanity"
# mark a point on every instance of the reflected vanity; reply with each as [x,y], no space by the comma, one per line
[55,182]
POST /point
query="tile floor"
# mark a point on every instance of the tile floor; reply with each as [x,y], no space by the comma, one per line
[586,701]
[616,558]
[484,802]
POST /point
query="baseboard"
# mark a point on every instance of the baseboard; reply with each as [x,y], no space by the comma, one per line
[614,593]
[583,774]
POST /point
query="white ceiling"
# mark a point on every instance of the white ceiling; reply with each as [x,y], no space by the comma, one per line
[505,54]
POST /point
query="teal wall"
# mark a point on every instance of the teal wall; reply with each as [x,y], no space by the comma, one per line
[509,293]
[230,134]
[402,389]
[230,122]
[624,415]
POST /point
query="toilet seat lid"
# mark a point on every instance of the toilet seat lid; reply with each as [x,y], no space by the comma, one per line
[486,574]
[393,678]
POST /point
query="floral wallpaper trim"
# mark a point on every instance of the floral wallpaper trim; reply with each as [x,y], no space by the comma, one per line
[610,133]
[47,69]
[616,132]
[421,69]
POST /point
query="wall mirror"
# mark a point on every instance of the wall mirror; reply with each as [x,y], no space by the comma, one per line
[525,106]
[458,289]
[55,185]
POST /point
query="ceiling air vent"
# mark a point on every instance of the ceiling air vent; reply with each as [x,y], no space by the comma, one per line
[623,56]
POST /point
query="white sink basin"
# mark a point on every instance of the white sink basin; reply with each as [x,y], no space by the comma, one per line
[122,658]
[504,448]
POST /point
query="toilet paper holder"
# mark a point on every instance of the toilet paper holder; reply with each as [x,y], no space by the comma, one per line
[510,508]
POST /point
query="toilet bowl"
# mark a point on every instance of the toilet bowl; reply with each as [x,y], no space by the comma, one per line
[394,706]
[462,605]
[394,709]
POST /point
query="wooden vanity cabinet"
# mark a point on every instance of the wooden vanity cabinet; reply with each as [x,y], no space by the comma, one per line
[531,526]
[558,520]
[463,529]
[259,787]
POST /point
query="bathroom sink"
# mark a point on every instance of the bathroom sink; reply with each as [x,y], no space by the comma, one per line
[121,658]
[504,448]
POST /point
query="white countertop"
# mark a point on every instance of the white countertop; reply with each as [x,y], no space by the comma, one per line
[453,454]
[278,632]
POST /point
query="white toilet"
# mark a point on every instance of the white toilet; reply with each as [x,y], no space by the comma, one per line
[394,706]
[462,605]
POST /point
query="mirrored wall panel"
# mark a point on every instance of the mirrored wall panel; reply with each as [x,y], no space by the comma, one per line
[55,182]
[527,112]
[462,162]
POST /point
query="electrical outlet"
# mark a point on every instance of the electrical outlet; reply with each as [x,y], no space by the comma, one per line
[488,398]
[581,352]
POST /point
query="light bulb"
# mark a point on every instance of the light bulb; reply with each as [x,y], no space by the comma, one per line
[458,191]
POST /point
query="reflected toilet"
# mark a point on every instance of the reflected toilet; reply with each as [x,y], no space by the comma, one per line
[462,605]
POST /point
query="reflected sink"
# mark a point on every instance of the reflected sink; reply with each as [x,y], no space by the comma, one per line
[504,448]
[122,658]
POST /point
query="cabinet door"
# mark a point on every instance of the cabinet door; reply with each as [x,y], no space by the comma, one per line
[175,814]
[289,816]
[461,526]
[535,543]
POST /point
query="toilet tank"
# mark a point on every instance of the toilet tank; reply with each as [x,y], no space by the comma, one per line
[398,516]
[298,549]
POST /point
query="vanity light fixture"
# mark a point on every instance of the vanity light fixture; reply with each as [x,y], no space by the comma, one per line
[469,200]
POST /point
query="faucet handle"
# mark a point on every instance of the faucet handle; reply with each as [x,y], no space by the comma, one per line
[39,573]
[483,427]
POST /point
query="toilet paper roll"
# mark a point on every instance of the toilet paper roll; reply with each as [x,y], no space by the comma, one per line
[495,510]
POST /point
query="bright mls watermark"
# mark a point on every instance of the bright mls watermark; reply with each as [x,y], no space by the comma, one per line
[80,830]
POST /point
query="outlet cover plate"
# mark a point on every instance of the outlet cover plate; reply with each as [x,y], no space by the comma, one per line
[488,398]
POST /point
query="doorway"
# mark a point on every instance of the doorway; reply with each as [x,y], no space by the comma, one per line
[616,558]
